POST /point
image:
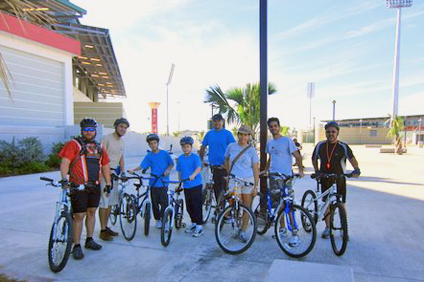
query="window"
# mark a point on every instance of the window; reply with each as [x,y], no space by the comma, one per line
[373,133]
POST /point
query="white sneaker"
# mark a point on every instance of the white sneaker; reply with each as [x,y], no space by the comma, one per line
[198,231]
[191,228]
[158,224]
[294,241]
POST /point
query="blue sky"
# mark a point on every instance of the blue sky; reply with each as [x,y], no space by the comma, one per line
[345,47]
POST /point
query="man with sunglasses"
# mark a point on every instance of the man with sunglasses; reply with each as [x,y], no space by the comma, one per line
[85,160]
[332,154]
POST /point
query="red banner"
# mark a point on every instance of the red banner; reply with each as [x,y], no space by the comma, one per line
[155,120]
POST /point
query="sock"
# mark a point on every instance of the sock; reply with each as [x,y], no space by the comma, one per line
[77,245]
[89,239]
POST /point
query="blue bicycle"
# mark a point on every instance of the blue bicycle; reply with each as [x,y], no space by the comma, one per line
[294,226]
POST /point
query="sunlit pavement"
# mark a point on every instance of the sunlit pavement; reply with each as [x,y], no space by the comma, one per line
[385,216]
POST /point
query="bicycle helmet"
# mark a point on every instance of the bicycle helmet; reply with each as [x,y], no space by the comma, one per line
[121,120]
[152,136]
[88,122]
[186,140]
[332,124]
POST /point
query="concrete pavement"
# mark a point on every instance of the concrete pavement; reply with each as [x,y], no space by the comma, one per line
[385,208]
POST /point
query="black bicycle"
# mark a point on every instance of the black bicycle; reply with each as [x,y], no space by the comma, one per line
[131,205]
[60,241]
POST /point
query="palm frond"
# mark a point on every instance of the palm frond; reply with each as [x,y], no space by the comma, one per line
[5,75]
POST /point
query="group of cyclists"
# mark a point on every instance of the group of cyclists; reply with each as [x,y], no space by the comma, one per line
[87,165]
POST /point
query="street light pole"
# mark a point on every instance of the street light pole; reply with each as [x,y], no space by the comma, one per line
[167,101]
[398,4]
[419,130]
[263,58]
[334,110]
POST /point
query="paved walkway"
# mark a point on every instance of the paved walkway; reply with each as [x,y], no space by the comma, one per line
[386,225]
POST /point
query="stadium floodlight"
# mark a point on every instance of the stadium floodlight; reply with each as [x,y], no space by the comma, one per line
[398,4]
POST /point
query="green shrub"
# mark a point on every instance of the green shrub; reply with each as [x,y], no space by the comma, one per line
[32,167]
[53,159]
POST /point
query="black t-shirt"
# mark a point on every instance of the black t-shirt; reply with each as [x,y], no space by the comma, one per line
[332,159]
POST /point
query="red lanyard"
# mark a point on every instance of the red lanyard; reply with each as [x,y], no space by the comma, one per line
[331,155]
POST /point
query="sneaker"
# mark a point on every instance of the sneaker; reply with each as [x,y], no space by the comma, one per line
[243,236]
[111,232]
[326,233]
[105,236]
[77,252]
[198,231]
[191,228]
[294,241]
[158,224]
[90,244]
[283,233]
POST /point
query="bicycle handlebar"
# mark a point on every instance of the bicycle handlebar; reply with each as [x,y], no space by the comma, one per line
[282,175]
[52,182]
[320,175]
[246,183]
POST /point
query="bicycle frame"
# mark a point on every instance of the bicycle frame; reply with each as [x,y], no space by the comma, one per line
[62,205]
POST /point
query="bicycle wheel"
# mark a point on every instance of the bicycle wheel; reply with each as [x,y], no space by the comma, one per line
[128,217]
[262,223]
[291,236]
[114,211]
[207,202]
[235,229]
[310,204]
[179,210]
[338,228]
[166,230]
[147,219]
[60,242]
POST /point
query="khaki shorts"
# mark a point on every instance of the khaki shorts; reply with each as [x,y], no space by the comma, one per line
[111,199]
[241,189]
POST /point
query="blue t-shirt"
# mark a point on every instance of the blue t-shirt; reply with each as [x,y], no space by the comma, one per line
[186,165]
[281,151]
[243,167]
[217,140]
[158,163]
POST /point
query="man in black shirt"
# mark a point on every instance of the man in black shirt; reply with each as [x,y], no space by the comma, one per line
[332,154]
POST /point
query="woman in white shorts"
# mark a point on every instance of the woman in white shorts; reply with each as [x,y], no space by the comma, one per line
[245,167]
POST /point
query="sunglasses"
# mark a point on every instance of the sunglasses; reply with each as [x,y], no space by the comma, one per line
[327,131]
[89,129]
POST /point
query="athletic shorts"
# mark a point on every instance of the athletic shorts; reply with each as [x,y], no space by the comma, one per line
[341,188]
[81,200]
[110,199]
[242,189]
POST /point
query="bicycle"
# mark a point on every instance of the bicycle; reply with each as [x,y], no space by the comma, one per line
[295,240]
[338,219]
[115,209]
[131,205]
[235,228]
[60,240]
[173,213]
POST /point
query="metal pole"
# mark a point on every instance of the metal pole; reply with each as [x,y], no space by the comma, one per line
[167,112]
[419,131]
[334,110]
[396,67]
[263,49]
[404,130]
[360,131]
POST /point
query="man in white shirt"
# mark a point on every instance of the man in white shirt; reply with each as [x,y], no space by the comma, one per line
[114,145]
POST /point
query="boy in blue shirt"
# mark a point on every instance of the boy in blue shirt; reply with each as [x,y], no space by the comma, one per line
[189,167]
[160,164]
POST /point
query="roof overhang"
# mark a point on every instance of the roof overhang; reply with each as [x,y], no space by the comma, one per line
[97,57]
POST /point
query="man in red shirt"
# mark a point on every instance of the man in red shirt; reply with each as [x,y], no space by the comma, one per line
[86,162]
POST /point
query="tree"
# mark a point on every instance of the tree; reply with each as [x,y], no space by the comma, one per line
[239,105]
[396,127]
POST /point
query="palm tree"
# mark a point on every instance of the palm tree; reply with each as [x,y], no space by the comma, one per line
[239,105]
[396,128]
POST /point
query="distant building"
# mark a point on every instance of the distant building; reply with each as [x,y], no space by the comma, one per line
[374,130]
